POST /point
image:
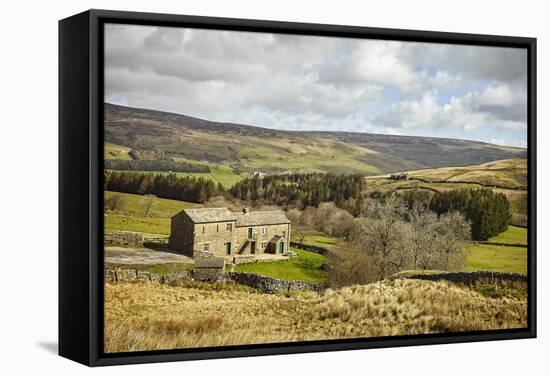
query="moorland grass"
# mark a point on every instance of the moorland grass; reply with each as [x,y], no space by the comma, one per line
[149,316]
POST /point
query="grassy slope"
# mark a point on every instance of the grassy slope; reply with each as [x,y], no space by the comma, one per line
[247,147]
[305,267]
[314,155]
[148,214]
[315,238]
[496,258]
[142,316]
[500,258]
[513,235]
[112,151]
[149,225]
[508,172]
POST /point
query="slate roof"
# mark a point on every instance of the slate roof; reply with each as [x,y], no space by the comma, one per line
[275,239]
[209,262]
[267,217]
[255,218]
[207,215]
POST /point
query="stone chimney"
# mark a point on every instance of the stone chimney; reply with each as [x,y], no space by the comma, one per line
[245,210]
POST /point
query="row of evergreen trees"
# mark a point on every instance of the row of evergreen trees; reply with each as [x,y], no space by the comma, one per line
[162,185]
[487,211]
[154,165]
[300,190]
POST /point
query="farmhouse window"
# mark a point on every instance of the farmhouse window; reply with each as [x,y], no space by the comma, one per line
[264,230]
[206,247]
[229,227]
[228,248]
[284,234]
[217,228]
[264,244]
[203,229]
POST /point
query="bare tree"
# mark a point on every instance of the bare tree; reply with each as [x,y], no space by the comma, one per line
[341,223]
[384,236]
[396,238]
[307,218]
[351,267]
[453,231]
[293,215]
[423,223]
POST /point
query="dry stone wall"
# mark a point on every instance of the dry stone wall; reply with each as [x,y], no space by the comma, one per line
[262,283]
[271,285]
[132,275]
[208,274]
[125,238]
[470,277]
[311,248]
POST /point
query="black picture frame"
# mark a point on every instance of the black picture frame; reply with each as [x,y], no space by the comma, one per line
[80,182]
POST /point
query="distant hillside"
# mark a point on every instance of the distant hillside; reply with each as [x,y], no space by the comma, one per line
[248,148]
[507,176]
[507,173]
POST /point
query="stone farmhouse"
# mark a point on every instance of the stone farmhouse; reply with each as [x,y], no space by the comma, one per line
[222,233]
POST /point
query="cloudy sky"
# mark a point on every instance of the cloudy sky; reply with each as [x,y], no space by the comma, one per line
[320,83]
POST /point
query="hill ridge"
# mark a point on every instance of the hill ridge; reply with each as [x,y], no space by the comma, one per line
[250,148]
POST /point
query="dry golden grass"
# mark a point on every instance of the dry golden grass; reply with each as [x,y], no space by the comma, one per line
[152,316]
[507,172]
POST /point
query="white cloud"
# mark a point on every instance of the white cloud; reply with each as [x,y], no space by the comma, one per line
[384,63]
[497,106]
[309,82]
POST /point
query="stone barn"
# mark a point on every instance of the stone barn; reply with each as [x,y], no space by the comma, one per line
[399,176]
[222,233]
[209,269]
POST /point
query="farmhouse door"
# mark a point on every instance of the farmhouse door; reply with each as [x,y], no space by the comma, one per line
[253,247]
[228,248]
[282,247]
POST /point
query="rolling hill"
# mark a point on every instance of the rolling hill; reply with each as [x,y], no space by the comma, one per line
[247,148]
[507,176]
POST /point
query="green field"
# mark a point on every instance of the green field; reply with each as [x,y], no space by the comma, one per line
[149,205]
[148,214]
[513,235]
[112,151]
[479,256]
[149,225]
[316,238]
[222,174]
[496,258]
[305,267]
